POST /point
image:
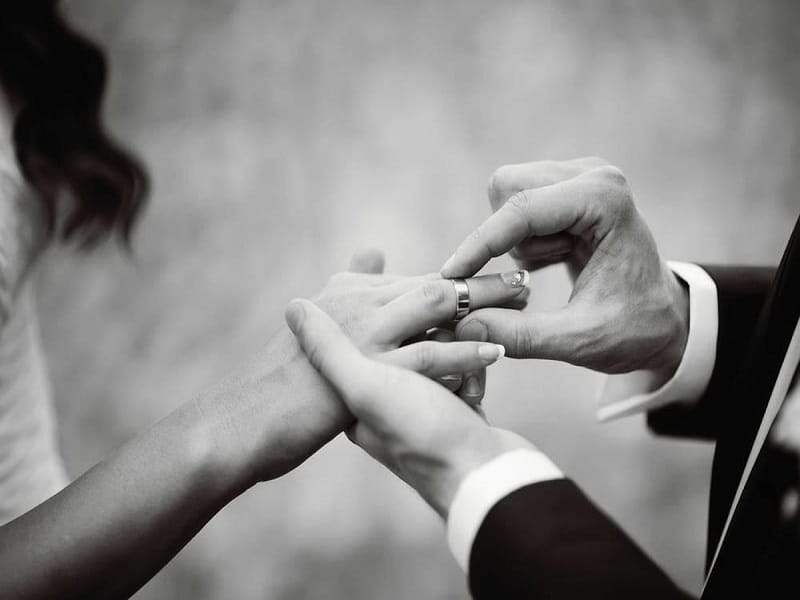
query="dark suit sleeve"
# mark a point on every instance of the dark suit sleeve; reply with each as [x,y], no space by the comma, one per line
[547,540]
[741,294]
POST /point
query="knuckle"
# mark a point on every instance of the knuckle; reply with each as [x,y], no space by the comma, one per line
[613,188]
[519,205]
[519,202]
[477,234]
[435,292]
[425,357]
[594,161]
[480,241]
[611,175]
[501,180]
[523,341]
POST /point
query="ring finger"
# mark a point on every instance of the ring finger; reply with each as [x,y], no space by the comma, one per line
[434,302]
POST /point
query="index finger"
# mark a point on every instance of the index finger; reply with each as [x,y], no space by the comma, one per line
[510,179]
[531,212]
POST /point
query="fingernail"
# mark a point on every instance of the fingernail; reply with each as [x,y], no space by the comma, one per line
[491,352]
[516,279]
[472,387]
[450,378]
[295,315]
[474,331]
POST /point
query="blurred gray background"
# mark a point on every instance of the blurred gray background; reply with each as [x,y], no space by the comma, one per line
[281,136]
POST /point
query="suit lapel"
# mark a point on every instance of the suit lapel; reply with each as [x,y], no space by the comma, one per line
[746,409]
[754,520]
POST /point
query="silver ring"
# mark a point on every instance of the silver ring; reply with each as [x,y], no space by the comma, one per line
[462,298]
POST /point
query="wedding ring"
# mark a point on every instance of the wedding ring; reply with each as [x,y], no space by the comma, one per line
[462,298]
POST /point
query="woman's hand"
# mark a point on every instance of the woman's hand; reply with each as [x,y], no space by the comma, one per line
[278,411]
[416,428]
[109,531]
[384,313]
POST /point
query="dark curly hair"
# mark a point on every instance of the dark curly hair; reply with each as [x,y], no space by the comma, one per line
[54,79]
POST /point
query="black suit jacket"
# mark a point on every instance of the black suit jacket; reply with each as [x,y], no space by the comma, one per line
[548,540]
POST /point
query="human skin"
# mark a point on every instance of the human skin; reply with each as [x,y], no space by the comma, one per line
[627,310]
[113,528]
[419,430]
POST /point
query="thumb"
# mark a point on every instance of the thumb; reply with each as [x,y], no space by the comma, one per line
[546,335]
[329,350]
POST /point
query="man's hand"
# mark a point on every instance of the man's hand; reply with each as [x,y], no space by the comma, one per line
[627,310]
[415,427]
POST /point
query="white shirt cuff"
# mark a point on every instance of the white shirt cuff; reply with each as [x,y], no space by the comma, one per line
[631,393]
[484,487]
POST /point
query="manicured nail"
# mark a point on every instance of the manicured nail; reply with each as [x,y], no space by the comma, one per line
[491,352]
[516,279]
[295,315]
[472,387]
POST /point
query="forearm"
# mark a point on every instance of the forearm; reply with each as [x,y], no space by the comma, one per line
[111,530]
[272,415]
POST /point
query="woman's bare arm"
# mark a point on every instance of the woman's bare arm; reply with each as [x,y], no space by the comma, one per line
[111,530]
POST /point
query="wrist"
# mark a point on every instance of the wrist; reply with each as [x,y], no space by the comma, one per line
[267,419]
[481,447]
[679,331]
[204,462]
